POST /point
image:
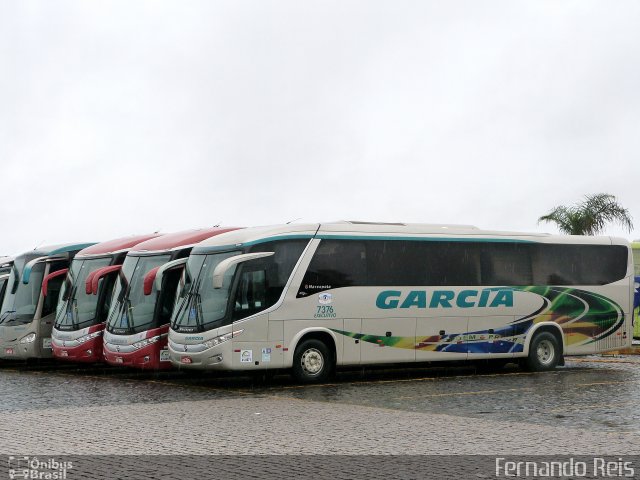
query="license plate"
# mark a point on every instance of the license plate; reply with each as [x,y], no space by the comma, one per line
[64,353]
[46,343]
[8,351]
[164,356]
[118,359]
[185,360]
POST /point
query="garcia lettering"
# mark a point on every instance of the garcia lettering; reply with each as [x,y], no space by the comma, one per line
[491,298]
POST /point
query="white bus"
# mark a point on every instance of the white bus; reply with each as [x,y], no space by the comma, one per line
[29,305]
[314,297]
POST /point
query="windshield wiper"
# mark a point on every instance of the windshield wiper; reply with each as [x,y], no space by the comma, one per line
[116,312]
[186,302]
[122,306]
[197,301]
[126,306]
[69,310]
[5,315]
[195,304]
[74,314]
[192,302]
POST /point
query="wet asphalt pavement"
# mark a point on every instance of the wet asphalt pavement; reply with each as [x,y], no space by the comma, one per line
[594,393]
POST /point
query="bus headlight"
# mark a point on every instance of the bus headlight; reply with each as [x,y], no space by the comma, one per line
[146,342]
[222,338]
[30,338]
[90,336]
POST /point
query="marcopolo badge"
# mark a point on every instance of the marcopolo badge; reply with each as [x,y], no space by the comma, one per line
[325,298]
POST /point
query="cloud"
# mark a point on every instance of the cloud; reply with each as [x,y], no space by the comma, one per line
[121,117]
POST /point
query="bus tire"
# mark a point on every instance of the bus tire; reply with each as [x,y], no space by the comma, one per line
[312,361]
[544,352]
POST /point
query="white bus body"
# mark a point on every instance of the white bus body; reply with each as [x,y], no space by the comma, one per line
[312,297]
[27,314]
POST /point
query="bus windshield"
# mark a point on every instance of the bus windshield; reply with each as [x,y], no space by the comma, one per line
[21,301]
[202,307]
[133,311]
[80,309]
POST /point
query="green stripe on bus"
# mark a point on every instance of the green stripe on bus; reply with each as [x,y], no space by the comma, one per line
[324,236]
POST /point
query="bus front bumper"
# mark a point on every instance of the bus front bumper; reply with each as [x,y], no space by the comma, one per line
[151,357]
[214,358]
[87,352]
[17,350]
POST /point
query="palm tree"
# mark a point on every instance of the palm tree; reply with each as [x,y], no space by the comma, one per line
[590,216]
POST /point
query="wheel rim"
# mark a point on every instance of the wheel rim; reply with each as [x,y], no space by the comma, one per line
[545,352]
[312,362]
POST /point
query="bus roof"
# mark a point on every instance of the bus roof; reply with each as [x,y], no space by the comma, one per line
[6,261]
[50,252]
[179,240]
[117,245]
[249,235]
[55,250]
[382,231]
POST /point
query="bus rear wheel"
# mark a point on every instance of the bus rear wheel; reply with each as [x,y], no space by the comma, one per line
[312,362]
[544,353]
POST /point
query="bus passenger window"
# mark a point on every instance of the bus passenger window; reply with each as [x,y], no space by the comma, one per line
[335,264]
[506,264]
[578,264]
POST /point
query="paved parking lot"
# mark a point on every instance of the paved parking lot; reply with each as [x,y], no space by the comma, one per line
[588,407]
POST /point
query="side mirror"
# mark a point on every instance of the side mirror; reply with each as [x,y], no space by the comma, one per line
[87,282]
[154,277]
[45,280]
[93,279]
[147,283]
[26,271]
[227,263]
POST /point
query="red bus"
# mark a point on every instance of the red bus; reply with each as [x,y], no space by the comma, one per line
[85,299]
[144,297]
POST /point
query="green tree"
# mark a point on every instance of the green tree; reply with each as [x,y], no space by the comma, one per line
[590,216]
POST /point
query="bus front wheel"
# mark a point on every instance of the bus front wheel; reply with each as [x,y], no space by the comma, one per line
[312,362]
[544,353]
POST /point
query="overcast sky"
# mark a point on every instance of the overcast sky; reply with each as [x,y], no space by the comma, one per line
[123,117]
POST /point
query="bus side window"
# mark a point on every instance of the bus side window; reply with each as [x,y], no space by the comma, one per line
[578,264]
[335,264]
[251,293]
[106,290]
[53,292]
[168,295]
[262,281]
[506,264]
